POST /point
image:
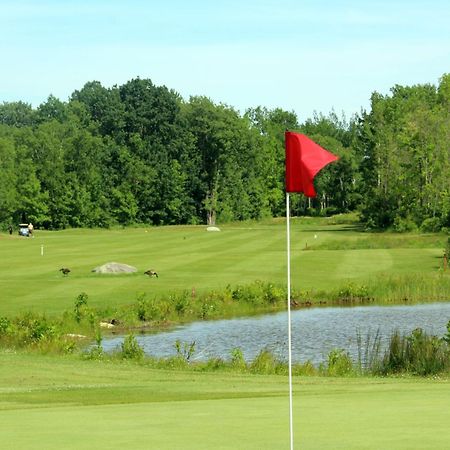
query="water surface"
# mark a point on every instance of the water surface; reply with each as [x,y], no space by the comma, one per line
[315,331]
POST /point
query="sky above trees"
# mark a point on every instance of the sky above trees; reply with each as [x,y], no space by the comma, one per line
[303,56]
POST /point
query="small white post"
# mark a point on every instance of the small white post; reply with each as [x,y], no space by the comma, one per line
[288,232]
[42,249]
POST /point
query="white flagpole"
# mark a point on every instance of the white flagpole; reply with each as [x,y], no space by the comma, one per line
[288,232]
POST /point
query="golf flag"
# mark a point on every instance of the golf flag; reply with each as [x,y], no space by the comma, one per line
[304,159]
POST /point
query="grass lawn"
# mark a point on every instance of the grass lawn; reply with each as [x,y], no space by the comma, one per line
[188,257]
[53,403]
[49,402]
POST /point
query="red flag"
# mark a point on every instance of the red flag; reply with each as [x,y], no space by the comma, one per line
[304,159]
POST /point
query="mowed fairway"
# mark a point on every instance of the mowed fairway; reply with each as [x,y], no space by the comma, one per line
[54,403]
[186,257]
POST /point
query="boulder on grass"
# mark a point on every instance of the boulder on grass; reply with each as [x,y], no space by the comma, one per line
[114,267]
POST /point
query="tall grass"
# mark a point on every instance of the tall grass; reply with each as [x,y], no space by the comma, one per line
[410,288]
[417,354]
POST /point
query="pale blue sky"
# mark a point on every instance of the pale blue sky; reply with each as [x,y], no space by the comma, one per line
[299,55]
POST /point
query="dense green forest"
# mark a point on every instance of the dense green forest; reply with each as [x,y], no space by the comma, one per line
[140,153]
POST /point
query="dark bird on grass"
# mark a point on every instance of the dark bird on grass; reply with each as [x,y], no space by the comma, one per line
[151,273]
[65,271]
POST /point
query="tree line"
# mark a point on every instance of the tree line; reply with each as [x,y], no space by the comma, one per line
[140,154]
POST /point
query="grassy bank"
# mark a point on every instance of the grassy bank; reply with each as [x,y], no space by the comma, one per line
[55,403]
[327,258]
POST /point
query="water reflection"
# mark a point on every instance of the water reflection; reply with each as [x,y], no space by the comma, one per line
[315,331]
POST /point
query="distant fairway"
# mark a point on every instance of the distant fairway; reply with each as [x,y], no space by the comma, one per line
[54,403]
[188,257]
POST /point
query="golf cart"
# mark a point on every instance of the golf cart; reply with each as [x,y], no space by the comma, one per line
[23,230]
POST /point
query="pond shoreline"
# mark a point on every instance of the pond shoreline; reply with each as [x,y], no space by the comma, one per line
[316,331]
[161,326]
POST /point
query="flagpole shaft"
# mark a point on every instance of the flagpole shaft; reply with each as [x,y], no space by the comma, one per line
[288,233]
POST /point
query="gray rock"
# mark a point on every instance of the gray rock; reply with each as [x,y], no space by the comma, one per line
[114,267]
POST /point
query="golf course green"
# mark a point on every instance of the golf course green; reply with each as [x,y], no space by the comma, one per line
[53,403]
[64,401]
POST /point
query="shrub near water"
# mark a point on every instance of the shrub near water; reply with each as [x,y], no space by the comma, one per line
[34,332]
[418,354]
[185,305]
[130,349]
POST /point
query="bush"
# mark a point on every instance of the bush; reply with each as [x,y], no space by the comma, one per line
[31,329]
[265,363]
[418,354]
[258,294]
[404,225]
[353,292]
[447,250]
[237,359]
[214,364]
[131,349]
[94,353]
[5,325]
[147,310]
[184,350]
[339,363]
[273,295]
[446,338]
[426,355]
[181,302]
[80,306]
[431,225]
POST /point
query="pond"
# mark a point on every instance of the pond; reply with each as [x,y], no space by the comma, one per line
[315,332]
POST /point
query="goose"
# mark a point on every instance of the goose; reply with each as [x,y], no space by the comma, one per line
[151,273]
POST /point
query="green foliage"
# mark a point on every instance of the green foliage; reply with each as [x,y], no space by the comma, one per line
[139,153]
[34,332]
[266,363]
[237,359]
[181,302]
[390,288]
[405,163]
[80,306]
[447,250]
[446,338]
[184,350]
[94,353]
[33,329]
[404,225]
[353,293]
[258,294]
[130,348]
[431,225]
[5,325]
[185,305]
[339,363]
[417,353]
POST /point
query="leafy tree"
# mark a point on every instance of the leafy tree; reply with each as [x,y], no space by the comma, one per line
[17,114]
[104,106]
[8,193]
[31,201]
[52,109]
[406,140]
